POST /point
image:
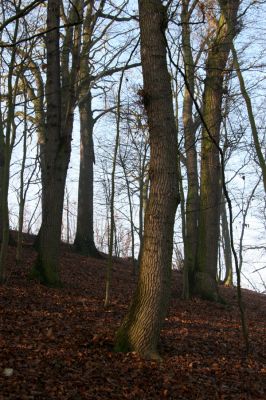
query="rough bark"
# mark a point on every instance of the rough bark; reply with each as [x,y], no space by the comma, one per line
[61,101]
[140,329]
[56,157]
[70,56]
[205,284]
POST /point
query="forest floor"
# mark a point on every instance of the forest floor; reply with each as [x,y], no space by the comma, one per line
[58,343]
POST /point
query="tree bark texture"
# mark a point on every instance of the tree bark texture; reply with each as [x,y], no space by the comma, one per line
[210,186]
[140,329]
[56,158]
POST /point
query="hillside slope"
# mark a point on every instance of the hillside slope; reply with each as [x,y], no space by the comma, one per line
[57,343]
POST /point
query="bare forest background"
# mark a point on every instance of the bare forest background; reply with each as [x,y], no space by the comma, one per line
[216,63]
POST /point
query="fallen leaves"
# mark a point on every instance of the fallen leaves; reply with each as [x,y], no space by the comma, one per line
[58,343]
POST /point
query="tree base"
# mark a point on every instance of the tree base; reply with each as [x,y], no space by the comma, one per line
[46,275]
[86,248]
[123,345]
[11,240]
[205,287]
[37,241]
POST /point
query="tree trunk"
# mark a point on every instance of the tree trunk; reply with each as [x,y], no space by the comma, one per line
[2,163]
[56,158]
[140,329]
[192,202]
[143,200]
[7,139]
[205,284]
[21,189]
[84,240]
[254,130]
[228,279]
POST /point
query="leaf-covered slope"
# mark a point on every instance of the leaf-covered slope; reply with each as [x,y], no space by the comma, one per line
[57,343]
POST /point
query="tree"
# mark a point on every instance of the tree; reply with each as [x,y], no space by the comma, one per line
[56,157]
[225,237]
[94,41]
[84,239]
[56,150]
[210,187]
[2,164]
[141,327]
[254,130]
[134,160]
[190,127]
[7,140]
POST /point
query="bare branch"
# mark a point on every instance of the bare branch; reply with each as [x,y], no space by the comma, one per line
[22,13]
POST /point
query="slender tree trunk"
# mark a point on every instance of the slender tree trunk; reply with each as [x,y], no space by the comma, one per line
[7,139]
[228,279]
[123,164]
[141,207]
[84,240]
[140,329]
[255,135]
[113,237]
[205,284]
[2,163]
[143,201]
[21,190]
[192,202]
[4,206]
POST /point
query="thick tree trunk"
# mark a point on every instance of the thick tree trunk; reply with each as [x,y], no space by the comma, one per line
[84,240]
[140,329]
[56,157]
[205,284]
